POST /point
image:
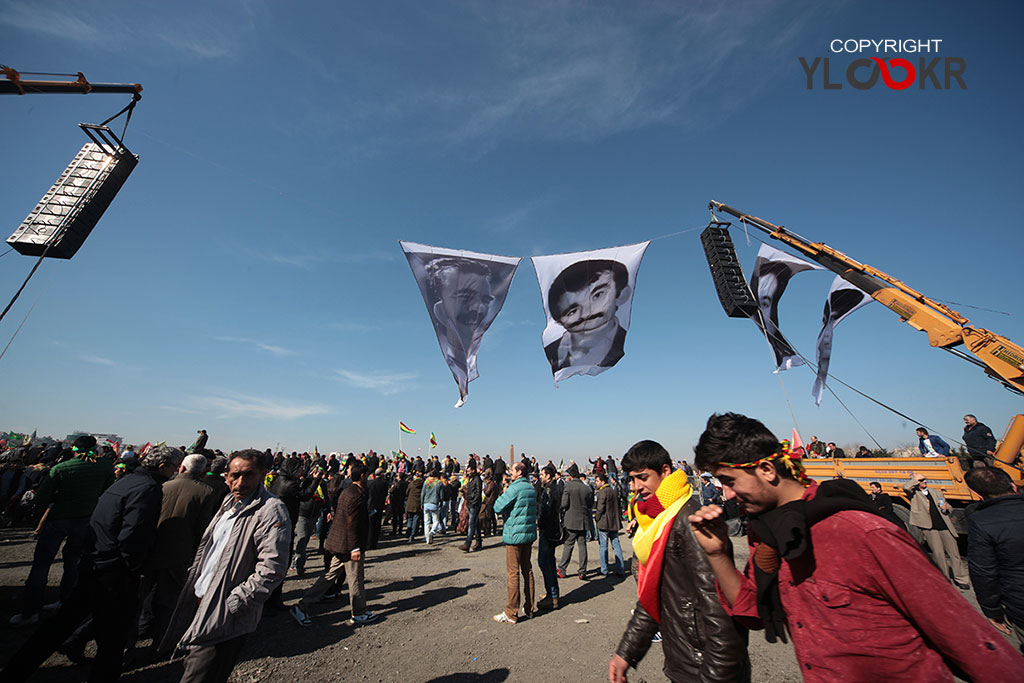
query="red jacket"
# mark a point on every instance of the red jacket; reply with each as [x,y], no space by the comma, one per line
[867,605]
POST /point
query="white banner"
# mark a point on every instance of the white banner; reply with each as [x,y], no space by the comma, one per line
[843,299]
[588,298]
[772,272]
[463,291]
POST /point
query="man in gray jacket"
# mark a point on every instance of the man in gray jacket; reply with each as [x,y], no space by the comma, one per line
[578,505]
[241,559]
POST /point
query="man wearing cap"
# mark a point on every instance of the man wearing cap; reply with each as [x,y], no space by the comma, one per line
[577,504]
[929,512]
[73,487]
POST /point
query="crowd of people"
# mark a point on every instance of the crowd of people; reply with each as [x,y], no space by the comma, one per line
[187,547]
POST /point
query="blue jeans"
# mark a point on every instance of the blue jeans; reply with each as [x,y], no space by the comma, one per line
[432,525]
[546,562]
[51,536]
[473,525]
[412,523]
[602,539]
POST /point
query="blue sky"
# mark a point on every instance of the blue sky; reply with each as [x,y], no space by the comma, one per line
[248,279]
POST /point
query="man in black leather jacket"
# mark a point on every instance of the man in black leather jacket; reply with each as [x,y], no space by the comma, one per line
[700,641]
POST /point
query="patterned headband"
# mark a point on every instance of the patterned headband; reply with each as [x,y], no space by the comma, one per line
[789,459]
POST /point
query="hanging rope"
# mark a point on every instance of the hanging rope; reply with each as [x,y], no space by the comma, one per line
[32,308]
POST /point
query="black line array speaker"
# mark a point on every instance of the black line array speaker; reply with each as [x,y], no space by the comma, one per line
[70,209]
[732,288]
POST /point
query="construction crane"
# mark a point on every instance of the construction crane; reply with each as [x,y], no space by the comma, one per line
[15,84]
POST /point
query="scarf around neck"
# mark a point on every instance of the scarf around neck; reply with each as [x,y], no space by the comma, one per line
[654,517]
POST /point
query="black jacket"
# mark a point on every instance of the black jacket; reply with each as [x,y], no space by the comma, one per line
[548,503]
[979,441]
[122,528]
[995,539]
[701,642]
[290,489]
[377,494]
[473,491]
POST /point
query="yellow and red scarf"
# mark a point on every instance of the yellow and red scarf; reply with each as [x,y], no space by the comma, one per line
[654,517]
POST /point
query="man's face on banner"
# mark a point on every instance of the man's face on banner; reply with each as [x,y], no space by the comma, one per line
[466,298]
[591,307]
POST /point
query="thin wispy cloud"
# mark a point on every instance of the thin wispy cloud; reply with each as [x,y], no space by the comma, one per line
[98,360]
[279,351]
[513,219]
[226,406]
[217,31]
[360,328]
[310,259]
[564,71]
[386,383]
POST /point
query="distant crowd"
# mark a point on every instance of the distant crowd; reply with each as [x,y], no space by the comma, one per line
[184,548]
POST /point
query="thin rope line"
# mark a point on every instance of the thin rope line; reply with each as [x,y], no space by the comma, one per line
[675,234]
[2,353]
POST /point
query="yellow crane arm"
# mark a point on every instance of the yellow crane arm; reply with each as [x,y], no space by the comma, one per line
[1001,358]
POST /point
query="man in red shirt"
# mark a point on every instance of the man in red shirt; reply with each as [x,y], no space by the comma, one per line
[854,592]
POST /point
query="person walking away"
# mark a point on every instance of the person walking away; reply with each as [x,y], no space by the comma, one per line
[518,507]
[309,512]
[929,512]
[577,506]
[413,505]
[187,508]
[854,592]
[71,490]
[609,522]
[675,587]
[431,497]
[488,520]
[242,558]
[345,542]
[995,542]
[120,537]
[549,536]
[396,503]
[472,494]
[376,496]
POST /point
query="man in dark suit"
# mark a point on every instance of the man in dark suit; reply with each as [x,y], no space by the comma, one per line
[345,542]
[377,496]
[577,504]
[884,504]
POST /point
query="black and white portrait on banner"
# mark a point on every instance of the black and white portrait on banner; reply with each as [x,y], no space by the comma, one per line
[772,272]
[588,299]
[463,291]
[843,299]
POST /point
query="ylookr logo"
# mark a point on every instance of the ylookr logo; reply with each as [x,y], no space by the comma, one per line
[896,73]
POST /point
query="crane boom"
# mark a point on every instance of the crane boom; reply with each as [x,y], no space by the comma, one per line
[16,85]
[1001,358]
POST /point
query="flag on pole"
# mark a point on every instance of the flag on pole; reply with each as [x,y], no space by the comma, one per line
[402,427]
[797,442]
[433,441]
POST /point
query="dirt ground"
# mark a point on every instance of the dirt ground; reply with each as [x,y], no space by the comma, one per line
[435,605]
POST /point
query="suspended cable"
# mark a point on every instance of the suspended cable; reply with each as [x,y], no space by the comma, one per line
[31,308]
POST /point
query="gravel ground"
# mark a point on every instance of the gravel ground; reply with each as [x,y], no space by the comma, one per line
[435,605]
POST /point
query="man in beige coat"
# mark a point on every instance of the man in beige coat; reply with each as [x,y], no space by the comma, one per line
[242,558]
[929,512]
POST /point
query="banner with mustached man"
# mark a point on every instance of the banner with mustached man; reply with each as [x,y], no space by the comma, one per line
[588,298]
[463,291]
[843,299]
[772,271]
